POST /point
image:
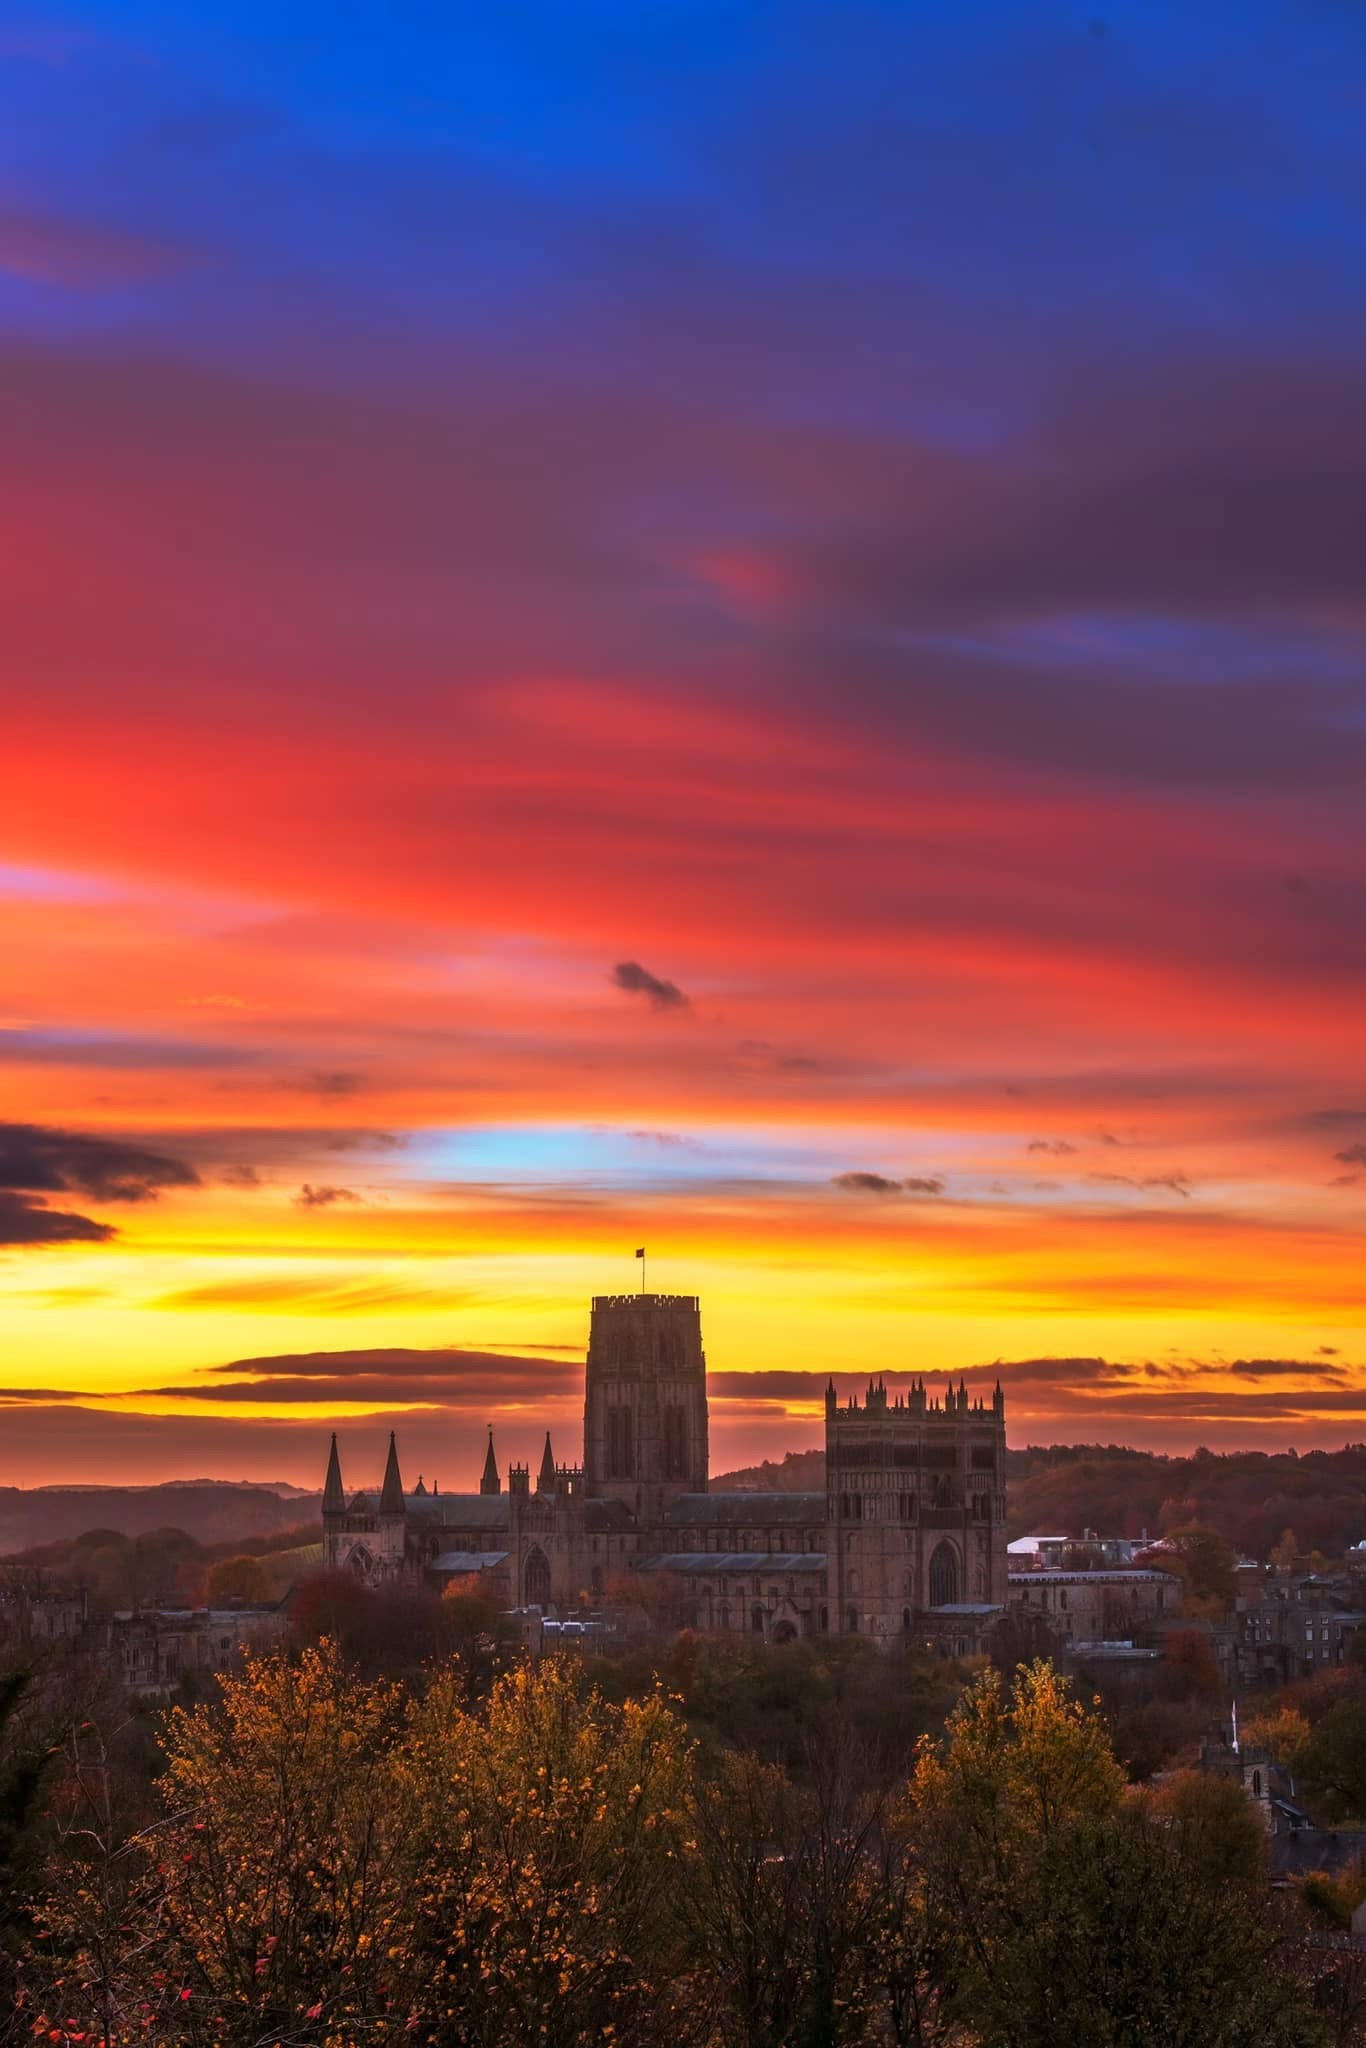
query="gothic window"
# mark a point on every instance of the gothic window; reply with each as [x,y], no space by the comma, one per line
[851,1620]
[756,1619]
[723,1616]
[675,1444]
[1256,1784]
[536,1579]
[906,1618]
[944,1576]
[825,1619]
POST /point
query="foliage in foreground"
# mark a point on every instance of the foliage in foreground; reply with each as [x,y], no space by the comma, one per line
[338,1862]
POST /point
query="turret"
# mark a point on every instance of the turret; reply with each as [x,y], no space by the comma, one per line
[334,1495]
[545,1478]
[391,1494]
[490,1483]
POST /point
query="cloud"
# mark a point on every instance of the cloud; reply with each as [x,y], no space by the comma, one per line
[308,1294]
[638,981]
[41,1160]
[24,1220]
[324,1196]
[879,1184]
[1352,1155]
[1056,1148]
[334,1083]
[1173,1183]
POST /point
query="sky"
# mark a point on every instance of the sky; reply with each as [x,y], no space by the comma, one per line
[733,627]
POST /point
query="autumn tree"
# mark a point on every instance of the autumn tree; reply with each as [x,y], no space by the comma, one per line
[1071,1914]
[287,1855]
[551,1844]
[1206,1563]
[238,1579]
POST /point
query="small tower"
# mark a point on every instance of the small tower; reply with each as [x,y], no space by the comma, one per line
[490,1483]
[334,1508]
[393,1518]
[545,1478]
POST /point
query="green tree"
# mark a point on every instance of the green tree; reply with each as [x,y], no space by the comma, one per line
[1206,1562]
[1331,1762]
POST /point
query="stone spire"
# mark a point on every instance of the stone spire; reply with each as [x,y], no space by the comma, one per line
[490,1483]
[334,1498]
[545,1478]
[391,1497]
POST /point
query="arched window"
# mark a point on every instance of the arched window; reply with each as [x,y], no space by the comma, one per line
[1256,1784]
[536,1579]
[825,1619]
[906,1618]
[756,1619]
[851,1620]
[723,1616]
[944,1576]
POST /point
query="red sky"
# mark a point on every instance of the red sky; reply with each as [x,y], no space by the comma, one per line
[630,648]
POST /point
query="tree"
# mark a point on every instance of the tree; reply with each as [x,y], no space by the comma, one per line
[1215,1825]
[1331,1762]
[551,1843]
[287,1857]
[1206,1562]
[1070,1914]
[786,1903]
[239,1580]
[1282,1731]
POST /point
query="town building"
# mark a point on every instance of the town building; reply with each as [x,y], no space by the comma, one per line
[907,1540]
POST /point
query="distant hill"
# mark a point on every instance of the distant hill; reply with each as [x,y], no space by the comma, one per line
[210,1510]
[1251,1497]
[799,1472]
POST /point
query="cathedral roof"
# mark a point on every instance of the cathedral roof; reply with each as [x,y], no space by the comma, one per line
[745,1510]
[459,1510]
[602,1517]
[458,1562]
[700,1564]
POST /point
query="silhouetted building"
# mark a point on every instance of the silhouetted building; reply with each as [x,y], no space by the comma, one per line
[908,1539]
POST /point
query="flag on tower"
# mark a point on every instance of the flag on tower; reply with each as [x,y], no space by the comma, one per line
[641,1253]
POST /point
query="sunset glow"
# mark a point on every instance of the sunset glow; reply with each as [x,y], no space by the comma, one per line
[616,639]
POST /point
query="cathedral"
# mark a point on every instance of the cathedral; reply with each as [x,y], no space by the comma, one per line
[908,1538]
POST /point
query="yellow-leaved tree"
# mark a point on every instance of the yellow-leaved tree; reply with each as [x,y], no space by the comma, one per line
[551,1838]
[287,1860]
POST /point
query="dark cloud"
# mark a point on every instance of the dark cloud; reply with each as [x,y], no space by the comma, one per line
[240,1177]
[1352,1155]
[324,1196]
[26,1220]
[338,1083]
[879,1184]
[42,1160]
[1055,1148]
[638,981]
[1172,1183]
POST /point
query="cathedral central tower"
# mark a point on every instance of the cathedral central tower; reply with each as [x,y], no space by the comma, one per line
[645,1400]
